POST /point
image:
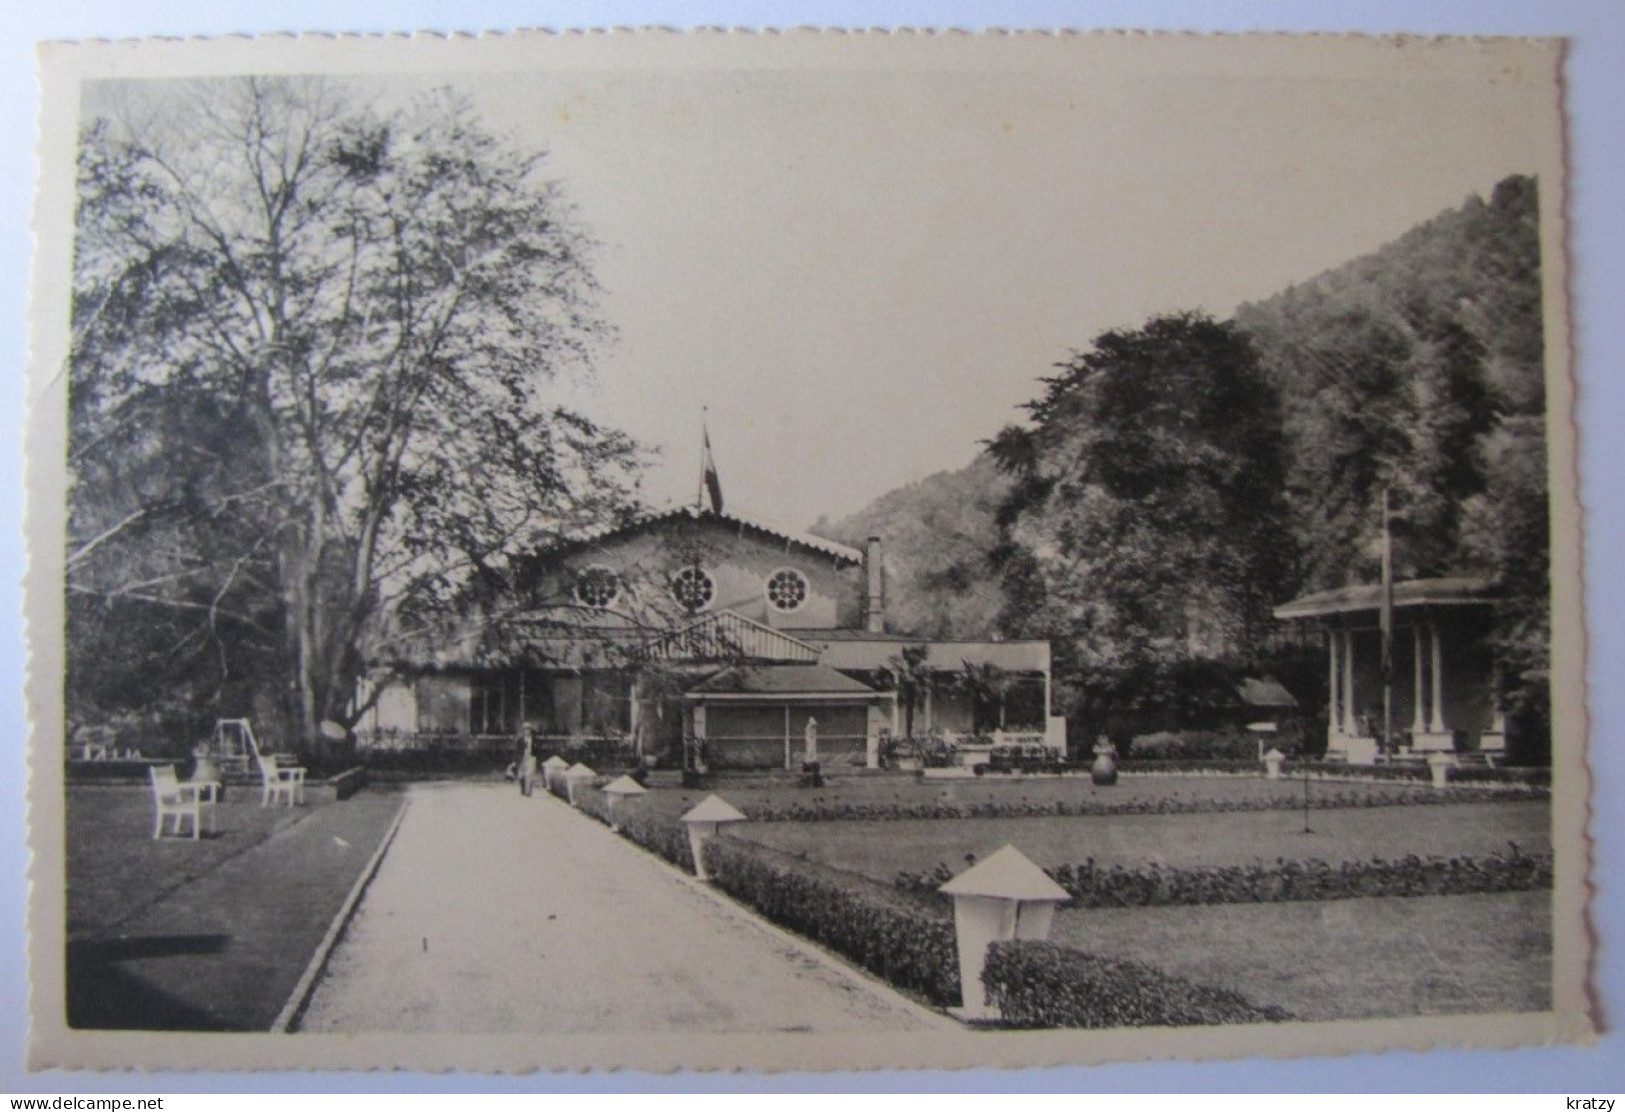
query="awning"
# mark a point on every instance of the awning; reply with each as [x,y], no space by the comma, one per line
[783,683]
[1411,593]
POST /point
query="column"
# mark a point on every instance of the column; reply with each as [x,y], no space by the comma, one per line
[1334,712]
[1418,723]
[1436,719]
[1350,721]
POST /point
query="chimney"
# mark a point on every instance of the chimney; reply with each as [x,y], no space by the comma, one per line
[874,591]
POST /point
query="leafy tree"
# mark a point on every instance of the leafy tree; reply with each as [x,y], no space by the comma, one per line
[308,384]
[911,679]
[1146,532]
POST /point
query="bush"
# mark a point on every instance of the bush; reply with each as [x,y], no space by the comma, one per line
[1095,886]
[662,837]
[908,943]
[1041,984]
[1202,745]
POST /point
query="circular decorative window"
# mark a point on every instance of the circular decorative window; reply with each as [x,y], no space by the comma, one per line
[786,589]
[597,587]
[693,589]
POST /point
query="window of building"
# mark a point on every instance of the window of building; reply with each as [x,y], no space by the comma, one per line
[786,589]
[693,589]
[597,587]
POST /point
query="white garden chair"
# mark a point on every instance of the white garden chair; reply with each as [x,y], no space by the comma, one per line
[280,781]
[190,800]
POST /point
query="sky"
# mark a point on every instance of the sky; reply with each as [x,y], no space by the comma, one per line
[857,271]
[863,275]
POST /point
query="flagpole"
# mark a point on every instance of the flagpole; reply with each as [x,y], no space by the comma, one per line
[1387,622]
[699,493]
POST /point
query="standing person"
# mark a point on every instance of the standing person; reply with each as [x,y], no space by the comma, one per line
[526,760]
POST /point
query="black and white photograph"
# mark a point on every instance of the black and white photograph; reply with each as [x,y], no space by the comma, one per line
[802,551]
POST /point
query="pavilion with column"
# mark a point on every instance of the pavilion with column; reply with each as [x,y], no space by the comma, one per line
[1442,689]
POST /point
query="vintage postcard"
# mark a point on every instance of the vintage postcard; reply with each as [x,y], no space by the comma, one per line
[801,550]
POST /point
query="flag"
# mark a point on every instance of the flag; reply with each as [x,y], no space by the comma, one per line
[710,483]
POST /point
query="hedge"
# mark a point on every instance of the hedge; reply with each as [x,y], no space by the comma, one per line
[1041,984]
[1093,886]
[908,943]
[1323,798]
[663,838]
[1410,773]
[1195,744]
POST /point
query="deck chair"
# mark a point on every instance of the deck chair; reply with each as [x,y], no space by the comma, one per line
[191,800]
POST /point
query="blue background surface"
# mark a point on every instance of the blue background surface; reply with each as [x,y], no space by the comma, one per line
[1597,125]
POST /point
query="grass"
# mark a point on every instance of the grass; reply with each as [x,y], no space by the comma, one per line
[115,866]
[210,934]
[881,850]
[1344,959]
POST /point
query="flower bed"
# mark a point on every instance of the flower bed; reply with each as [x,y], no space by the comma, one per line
[854,811]
[1041,984]
[1092,886]
[1533,780]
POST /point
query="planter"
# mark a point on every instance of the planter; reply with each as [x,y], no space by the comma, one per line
[1104,771]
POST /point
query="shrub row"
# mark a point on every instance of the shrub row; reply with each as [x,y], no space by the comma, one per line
[1094,886]
[1041,984]
[910,943]
[1195,744]
[662,837]
[907,942]
[1413,773]
[1322,799]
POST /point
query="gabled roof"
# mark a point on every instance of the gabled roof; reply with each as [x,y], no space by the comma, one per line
[840,552]
[1446,591]
[726,635]
[863,655]
[781,680]
[713,808]
[1007,874]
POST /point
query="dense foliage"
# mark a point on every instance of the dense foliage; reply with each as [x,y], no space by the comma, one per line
[937,536]
[1042,984]
[1178,479]
[1145,535]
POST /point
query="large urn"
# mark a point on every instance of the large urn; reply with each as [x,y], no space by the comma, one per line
[1104,771]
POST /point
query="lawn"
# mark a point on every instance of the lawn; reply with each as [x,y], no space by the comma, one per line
[881,850]
[116,867]
[210,934]
[1344,959]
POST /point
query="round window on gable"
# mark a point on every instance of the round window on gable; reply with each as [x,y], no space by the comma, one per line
[786,589]
[597,587]
[693,589]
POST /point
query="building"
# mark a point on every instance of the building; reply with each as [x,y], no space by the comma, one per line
[696,623]
[1441,691]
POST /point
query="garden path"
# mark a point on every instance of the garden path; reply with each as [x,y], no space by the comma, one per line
[497,913]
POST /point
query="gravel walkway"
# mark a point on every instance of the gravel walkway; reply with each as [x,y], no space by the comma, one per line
[497,913]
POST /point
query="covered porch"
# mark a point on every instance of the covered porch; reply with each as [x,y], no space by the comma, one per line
[1440,691]
[779,716]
